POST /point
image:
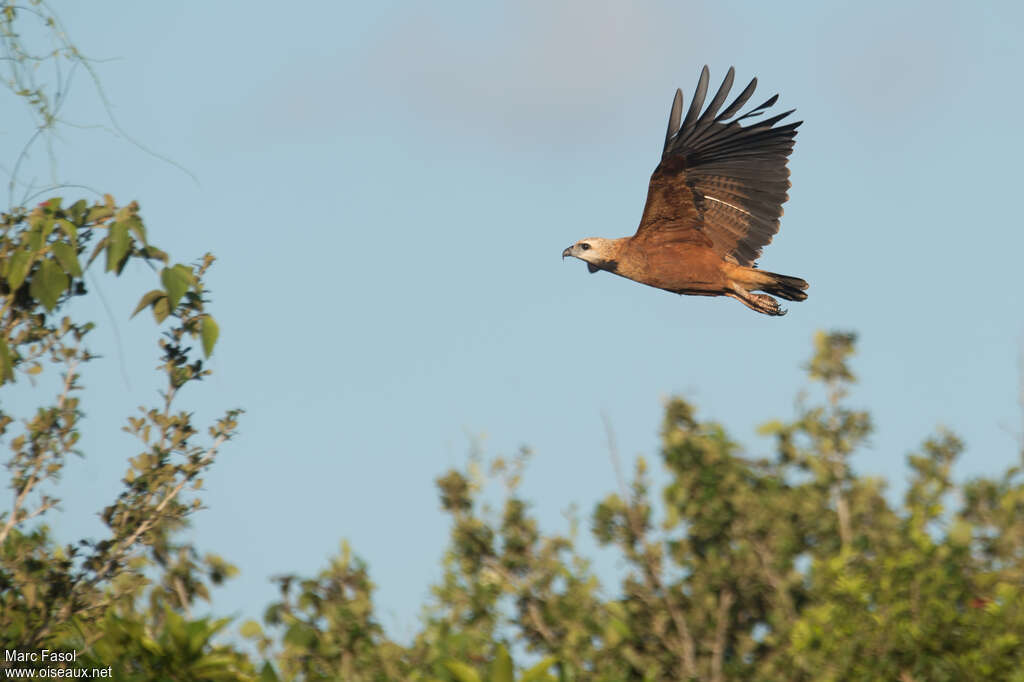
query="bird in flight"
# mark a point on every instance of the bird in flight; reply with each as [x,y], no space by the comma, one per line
[713,203]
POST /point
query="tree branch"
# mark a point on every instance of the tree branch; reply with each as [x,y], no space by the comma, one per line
[532,611]
[121,548]
[35,477]
[774,579]
[843,512]
[725,602]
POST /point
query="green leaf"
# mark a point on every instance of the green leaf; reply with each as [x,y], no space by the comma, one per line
[118,245]
[48,283]
[462,672]
[97,213]
[154,253]
[209,331]
[150,645]
[539,672]
[36,237]
[6,363]
[250,629]
[300,635]
[68,228]
[960,533]
[502,669]
[135,225]
[148,299]
[46,226]
[77,211]
[161,310]
[177,281]
[18,267]
[268,674]
[68,258]
[100,246]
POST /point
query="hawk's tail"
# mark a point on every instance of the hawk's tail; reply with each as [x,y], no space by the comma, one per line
[783,286]
[745,281]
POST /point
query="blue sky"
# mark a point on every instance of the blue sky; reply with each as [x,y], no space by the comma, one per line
[389,186]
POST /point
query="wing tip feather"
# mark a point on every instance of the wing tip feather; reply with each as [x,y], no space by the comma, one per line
[673,118]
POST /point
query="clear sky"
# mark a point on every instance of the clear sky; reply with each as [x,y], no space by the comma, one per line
[388,187]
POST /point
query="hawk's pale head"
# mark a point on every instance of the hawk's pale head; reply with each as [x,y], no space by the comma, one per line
[597,253]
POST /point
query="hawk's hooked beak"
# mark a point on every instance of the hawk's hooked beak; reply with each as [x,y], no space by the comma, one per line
[567,252]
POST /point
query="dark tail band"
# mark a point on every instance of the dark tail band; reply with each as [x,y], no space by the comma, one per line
[784,286]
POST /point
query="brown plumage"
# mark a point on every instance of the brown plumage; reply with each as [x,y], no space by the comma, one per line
[713,204]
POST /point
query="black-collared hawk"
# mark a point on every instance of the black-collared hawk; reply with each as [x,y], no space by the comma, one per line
[713,203]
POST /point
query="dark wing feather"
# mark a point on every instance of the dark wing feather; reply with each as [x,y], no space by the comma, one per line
[698,99]
[717,177]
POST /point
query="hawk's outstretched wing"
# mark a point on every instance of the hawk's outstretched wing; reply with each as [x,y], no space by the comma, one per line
[724,180]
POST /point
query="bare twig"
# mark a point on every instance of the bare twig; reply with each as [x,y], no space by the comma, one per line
[613,454]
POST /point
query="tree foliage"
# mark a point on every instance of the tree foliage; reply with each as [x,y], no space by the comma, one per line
[789,566]
[138,577]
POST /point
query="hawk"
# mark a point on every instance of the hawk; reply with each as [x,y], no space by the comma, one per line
[713,204]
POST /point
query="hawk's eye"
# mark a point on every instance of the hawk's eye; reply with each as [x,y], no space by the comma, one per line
[585,246]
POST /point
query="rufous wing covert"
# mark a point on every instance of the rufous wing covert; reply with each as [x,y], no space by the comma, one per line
[713,204]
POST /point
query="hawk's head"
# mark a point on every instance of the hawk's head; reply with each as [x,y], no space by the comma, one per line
[597,253]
